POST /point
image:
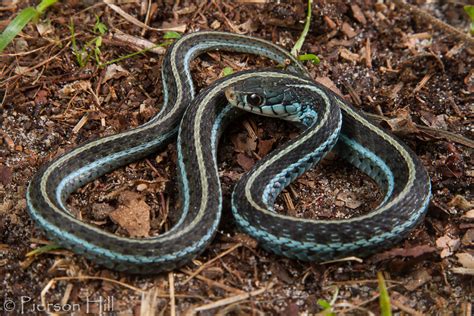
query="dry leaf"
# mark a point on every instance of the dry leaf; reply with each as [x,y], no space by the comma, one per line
[245,162]
[404,252]
[265,146]
[349,199]
[246,240]
[466,260]
[402,123]
[6,174]
[242,143]
[460,202]
[468,238]
[133,214]
[72,88]
[327,82]
[420,278]
[114,72]
[469,214]
[448,245]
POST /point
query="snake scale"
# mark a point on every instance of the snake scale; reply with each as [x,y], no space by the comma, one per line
[197,122]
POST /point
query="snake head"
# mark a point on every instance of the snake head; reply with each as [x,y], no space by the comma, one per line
[273,96]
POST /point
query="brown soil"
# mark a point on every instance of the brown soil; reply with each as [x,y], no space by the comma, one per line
[414,73]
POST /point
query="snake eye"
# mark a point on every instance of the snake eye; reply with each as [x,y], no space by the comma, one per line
[255,99]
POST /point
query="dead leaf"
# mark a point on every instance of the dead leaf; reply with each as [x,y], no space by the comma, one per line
[72,88]
[420,278]
[245,162]
[327,82]
[448,245]
[232,175]
[6,174]
[404,252]
[114,72]
[466,260]
[246,240]
[265,146]
[25,71]
[41,97]
[468,238]
[243,143]
[402,123]
[100,211]
[281,273]
[469,214]
[434,121]
[133,214]
[309,183]
[460,202]
[44,28]
[350,199]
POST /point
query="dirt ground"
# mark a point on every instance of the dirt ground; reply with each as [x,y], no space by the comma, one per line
[399,62]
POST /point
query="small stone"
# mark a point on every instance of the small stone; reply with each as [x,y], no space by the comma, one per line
[142,187]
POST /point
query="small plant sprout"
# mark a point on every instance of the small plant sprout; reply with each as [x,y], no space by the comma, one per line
[21,20]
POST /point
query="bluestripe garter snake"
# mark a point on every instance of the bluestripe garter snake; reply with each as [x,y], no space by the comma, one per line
[198,121]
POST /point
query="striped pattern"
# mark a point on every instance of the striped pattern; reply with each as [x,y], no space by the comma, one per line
[202,120]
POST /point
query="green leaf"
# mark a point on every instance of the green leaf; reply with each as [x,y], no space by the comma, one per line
[324,304]
[384,299]
[44,5]
[171,35]
[98,42]
[227,71]
[99,27]
[470,11]
[299,43]
[15,26]
[311,57]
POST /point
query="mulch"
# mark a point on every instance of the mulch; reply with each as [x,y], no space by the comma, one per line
[410,66]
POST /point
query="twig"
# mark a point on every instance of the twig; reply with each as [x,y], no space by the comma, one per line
[205,265]
[433,132]
[214,283]
[231,299]
[131,19]
[36,66]
[172,297]
[135,42]
[436,22]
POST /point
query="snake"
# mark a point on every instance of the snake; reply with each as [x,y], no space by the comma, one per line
[196,121]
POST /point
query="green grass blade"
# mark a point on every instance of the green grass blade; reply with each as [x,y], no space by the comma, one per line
[43,249]
[299,43]
[132,54]
[171,35]
[44,5]
[384,299]
[15,26]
